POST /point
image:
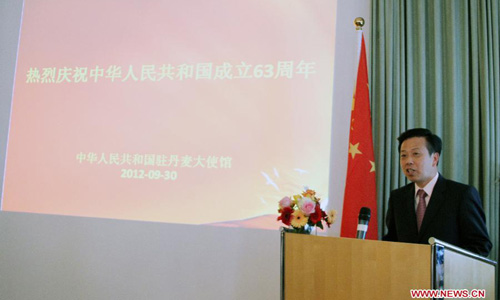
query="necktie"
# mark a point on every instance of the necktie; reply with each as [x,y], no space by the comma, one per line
[420,207]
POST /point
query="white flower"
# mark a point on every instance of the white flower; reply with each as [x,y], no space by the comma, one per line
[331,216]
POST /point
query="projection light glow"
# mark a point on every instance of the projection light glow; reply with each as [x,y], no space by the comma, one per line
[173,111]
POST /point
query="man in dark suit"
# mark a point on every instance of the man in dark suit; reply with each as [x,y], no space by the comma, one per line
[433,206]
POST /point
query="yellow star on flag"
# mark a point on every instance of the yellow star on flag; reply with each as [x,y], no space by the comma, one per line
[353,150]
[373,166]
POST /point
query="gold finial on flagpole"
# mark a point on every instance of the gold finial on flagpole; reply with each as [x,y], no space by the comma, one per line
[359,23]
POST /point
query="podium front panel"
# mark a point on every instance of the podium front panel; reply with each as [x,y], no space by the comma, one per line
[318,267]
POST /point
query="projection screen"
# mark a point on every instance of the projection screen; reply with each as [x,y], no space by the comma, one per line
[188,111]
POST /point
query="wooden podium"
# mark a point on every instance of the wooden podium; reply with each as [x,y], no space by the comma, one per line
[316,267]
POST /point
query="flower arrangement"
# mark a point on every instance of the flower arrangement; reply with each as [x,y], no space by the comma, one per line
[303,212]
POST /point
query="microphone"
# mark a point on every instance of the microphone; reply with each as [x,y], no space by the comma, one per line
[363,219]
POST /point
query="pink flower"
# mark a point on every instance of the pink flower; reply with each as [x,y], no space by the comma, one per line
[285,202]
[307,206]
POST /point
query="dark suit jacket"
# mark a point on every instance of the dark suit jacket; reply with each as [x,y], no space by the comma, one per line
[454,215]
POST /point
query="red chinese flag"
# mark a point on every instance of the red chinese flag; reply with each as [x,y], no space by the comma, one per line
[360,188]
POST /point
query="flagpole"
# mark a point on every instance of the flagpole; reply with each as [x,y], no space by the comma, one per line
[359,22]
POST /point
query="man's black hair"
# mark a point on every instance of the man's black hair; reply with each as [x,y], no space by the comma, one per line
[433,144]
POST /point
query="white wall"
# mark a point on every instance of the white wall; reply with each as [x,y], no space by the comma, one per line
[10,21]
[58,257]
